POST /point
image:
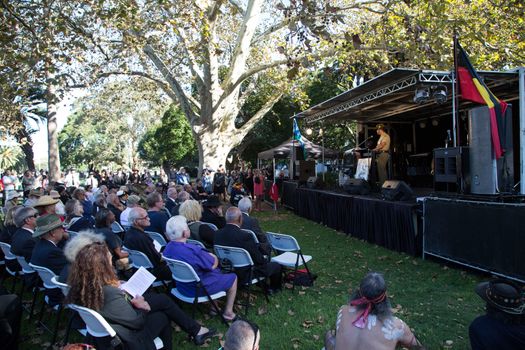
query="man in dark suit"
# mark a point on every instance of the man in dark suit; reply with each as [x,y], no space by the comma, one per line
[251,223]
[171,199]
[137,239]
[47,252]
[23,242]
[232,235]
[212,212]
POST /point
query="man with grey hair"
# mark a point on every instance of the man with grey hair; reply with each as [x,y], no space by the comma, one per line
[171,199]
[22,243]
[242,335]
[137,239]
[232,236]
[367,321]
[182,197]
[251,223]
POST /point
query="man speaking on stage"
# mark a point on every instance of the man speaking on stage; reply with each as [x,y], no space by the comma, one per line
[382,149]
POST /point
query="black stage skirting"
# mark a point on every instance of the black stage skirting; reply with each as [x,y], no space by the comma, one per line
[388,224]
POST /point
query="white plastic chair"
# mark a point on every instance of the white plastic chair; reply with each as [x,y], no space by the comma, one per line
[194,241]
[240,258]
[292,257]
[98,327]
[184,273]
[27,270]
[252,233]
[157,237]
[46,275]
[214,228]
[64,287]
[139,259]
[8,256]
[117,228]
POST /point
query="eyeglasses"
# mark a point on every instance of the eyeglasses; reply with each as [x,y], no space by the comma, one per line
[144,218]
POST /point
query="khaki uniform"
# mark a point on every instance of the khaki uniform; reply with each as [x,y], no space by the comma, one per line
[382,157]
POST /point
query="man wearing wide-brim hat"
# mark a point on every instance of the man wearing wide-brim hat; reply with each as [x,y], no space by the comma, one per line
[212,212]
[48,251]
[503,326]
[11,200]
[32,197]
[46,205]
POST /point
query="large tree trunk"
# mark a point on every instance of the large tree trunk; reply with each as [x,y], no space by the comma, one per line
[214,148]
[52,134]
[26,144]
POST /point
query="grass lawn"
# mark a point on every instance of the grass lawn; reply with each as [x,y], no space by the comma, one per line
[436,301]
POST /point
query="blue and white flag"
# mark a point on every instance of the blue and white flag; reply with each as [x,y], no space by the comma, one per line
[297,136]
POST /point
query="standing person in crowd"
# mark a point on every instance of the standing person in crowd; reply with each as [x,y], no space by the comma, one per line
[75,219]
[182,177]
[203,262]
[192,211]
[212,212]
[503,326]
[219,183]
[28,182]
[9,181]
[232,236]
[382,149]
[136,239]
[248,182]
[207,181]
[237,193]
[156,213]
[92,181]
[242,335]
[367,322]
[258,189]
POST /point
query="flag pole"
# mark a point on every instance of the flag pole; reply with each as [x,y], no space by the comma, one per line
[455,99]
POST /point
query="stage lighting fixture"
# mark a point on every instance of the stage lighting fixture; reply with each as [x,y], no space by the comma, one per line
[435,122]
[309,131]
[439,94]
[422,94]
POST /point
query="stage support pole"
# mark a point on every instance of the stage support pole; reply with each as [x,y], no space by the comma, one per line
[414,138]
[454,107]
[521,72]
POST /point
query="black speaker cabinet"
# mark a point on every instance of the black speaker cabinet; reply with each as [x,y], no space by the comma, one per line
[394,190]
[304,169]
[357,186]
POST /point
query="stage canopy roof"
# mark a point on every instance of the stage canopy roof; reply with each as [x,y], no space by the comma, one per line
[284,150]
[389,97]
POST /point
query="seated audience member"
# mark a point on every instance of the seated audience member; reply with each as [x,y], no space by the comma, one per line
[115,206]
[11,200]
[60,208]
[193,194]
[47,205]
[103,221]
[100,202]
[237,193]
[242,335]
[171,199]
[23,242]
[47,253]
[62,192]
[203,262]
[10,319]
[251,223]
[182,197]
[32,199]
[122,195]
[157,215]
[9,228]
[503,326]
[199,187]
[73,246]
[80,195]
[212,212]
[132,202]
[192,211]
[232,235]
[137,239]
[75,220]
[367,322]
[137,320]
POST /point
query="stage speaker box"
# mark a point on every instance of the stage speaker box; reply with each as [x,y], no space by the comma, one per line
[304,169]
[394,190]
[487,174]
[357,186]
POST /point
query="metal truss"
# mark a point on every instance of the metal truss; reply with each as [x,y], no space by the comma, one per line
[397,86]
[435,77]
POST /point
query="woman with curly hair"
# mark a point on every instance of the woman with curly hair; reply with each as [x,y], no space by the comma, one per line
[137,320]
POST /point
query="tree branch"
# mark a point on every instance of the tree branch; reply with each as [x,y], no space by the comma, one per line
[243,130]
[254,71]
[238,6]
[19,19]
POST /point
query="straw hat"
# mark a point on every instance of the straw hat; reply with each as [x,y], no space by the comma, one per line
[12,195]
[35,192]
[46,223]
[54,194]
[45,201]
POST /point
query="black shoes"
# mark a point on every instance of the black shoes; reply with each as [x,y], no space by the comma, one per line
[201,339]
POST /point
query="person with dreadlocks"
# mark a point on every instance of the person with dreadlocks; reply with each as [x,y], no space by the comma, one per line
[367,321]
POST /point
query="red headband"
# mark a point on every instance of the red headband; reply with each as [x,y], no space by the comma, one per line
[360,322]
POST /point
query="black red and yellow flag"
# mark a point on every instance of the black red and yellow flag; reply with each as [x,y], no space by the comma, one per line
[472,88]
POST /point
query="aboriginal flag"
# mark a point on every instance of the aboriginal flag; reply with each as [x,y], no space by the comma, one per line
[472,88]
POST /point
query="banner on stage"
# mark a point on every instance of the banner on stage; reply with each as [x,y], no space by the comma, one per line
[363,168]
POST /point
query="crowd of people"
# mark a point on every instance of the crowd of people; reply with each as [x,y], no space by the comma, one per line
[112,217]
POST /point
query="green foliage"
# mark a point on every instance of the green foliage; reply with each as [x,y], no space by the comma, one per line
[169,143]
[11,157]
